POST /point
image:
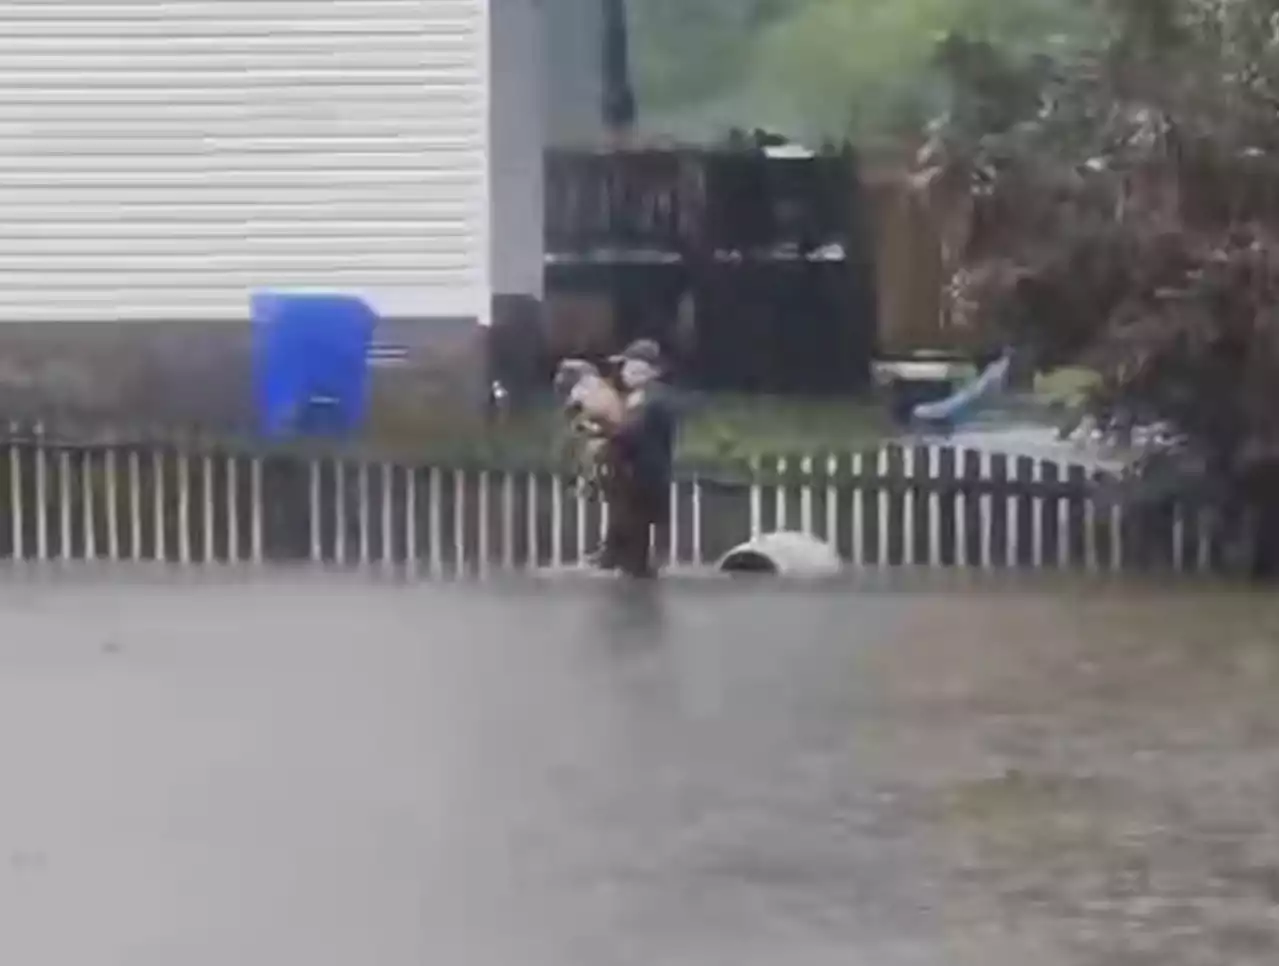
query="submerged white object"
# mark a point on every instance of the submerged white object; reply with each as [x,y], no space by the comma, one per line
[786,554]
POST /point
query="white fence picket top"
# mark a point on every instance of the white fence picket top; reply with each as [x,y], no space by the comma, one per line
[928,507]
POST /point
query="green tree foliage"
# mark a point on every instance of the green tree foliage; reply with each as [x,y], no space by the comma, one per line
[866,69]
[1119,205]
[689,51]
[820,69]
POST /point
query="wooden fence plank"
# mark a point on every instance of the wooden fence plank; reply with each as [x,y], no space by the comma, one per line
[1023,525]
[843,500]
[1050,536]
[682,532]
[875,507]
[1074,535]
[997,505]
[11,509]
[892,523]
[920,541]
[949,507]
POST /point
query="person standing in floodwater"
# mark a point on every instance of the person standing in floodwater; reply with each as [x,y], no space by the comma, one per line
[642,451]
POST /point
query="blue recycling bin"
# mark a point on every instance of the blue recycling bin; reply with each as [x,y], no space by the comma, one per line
[310,359]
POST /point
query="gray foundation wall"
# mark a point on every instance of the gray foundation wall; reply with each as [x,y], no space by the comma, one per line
[201,373]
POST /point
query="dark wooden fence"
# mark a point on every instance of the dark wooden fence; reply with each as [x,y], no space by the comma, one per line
[773,252]
[695,202]
[188,502]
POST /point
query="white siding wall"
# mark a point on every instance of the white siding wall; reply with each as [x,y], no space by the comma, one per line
[161,158]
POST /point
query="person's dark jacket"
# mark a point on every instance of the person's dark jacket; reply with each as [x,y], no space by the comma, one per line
[645,446]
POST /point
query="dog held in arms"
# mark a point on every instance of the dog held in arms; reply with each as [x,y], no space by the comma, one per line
[593,406]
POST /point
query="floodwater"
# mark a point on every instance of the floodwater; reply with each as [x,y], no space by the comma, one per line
[297,769]
[1014,437]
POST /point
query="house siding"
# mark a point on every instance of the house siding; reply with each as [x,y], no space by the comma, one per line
[160,159]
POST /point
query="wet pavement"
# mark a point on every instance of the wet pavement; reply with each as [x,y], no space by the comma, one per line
[323,769]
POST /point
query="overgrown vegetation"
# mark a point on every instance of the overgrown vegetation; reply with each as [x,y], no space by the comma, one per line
[1118,206]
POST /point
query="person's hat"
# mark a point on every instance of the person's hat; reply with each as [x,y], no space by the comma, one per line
[642,350]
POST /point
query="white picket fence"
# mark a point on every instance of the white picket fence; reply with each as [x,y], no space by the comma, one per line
[193,504]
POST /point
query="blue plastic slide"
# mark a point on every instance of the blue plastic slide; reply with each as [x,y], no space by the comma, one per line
[965,400]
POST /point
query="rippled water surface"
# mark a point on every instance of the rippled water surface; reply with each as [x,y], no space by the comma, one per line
[313,769]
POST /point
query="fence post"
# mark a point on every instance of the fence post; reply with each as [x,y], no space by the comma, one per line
[756,523]
[286,495]
[949,521]
[781,517]
[11,537]
[832,523]
[695,526]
